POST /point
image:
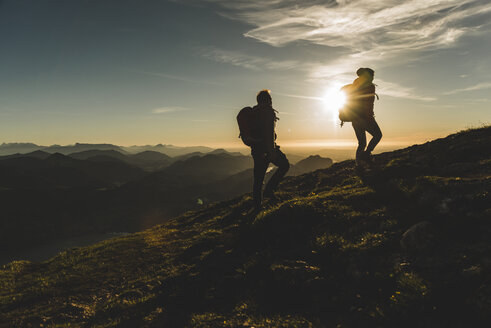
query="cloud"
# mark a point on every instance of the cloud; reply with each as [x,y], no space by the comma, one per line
[165,110]
[368,31]
[479,86]
[251,62]
[274,93]
[365,33]
[359,25]
[397,91]
[176,77]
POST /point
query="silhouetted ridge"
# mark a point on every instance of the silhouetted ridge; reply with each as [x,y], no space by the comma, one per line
[223,151]
[79,147]
[208,167]
[404,244]
[152,155]
[311,163]
[15,147]
[59,158]
[150,160]
[188,156]
[96,152]
[37,154]
[169,150]
[58,170]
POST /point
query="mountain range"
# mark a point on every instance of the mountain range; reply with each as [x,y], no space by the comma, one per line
[53,196]
[170,150]
[402,243]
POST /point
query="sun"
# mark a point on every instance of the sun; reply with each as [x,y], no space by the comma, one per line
[334,99]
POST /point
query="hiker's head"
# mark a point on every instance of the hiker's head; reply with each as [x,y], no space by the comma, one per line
[365,73]
[264,97]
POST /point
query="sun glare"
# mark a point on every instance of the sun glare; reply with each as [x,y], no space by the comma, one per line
[334,99]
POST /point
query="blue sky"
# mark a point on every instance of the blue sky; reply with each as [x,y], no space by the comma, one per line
[147,72]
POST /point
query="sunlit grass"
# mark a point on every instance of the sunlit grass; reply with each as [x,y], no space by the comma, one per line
[326,255]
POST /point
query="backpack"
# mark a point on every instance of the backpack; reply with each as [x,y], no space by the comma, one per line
[247,119]
[350,110]
[346,113]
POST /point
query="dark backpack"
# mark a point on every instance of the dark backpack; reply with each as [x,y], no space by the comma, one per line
[247,119]
[351,109]
[347,113]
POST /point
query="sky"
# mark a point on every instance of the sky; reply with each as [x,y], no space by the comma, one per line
[177,72]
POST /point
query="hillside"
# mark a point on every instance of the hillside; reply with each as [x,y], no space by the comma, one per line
[332,252]
[79,147]
[39,169]
[49,197]
[147,160]
[207,168]
[169,150]
[15,147]
[309,164]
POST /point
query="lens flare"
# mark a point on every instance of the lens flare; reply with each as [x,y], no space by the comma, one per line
[334,99]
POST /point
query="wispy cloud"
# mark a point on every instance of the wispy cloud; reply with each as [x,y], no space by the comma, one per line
[165,110]
[479,86]
[176,77]
[371,32]
[251,62]
[398,91]
[375,33]
[360,25]
[297,96]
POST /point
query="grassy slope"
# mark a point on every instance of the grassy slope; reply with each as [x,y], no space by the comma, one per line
[326,255]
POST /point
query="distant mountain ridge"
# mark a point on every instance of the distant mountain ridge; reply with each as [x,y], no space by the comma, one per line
[60,171]
[404,243]
[309,164]
[148,160]
[121,188]
[16,147]
[170,150]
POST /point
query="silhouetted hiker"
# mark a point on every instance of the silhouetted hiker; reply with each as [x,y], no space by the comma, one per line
[257,126]
[358,110]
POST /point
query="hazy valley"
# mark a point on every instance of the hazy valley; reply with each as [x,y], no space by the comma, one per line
[93,190]
[405,244]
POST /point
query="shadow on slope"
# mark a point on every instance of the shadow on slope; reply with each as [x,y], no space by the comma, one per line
[328,254]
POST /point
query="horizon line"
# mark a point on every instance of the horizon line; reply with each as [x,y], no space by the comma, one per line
[296,143]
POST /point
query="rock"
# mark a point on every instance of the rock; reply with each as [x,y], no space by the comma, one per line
[418,237]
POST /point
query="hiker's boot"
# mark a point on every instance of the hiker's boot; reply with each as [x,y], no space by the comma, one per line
[367,157]
[268,193]
[256,209]
[257,203]
[360,162]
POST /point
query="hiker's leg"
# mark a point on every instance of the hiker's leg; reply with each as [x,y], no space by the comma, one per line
[260,167]
[373,128]
[359,128]
[279,159]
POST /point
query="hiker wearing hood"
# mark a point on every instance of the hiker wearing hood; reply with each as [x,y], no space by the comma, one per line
[265,150]
[359,110]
